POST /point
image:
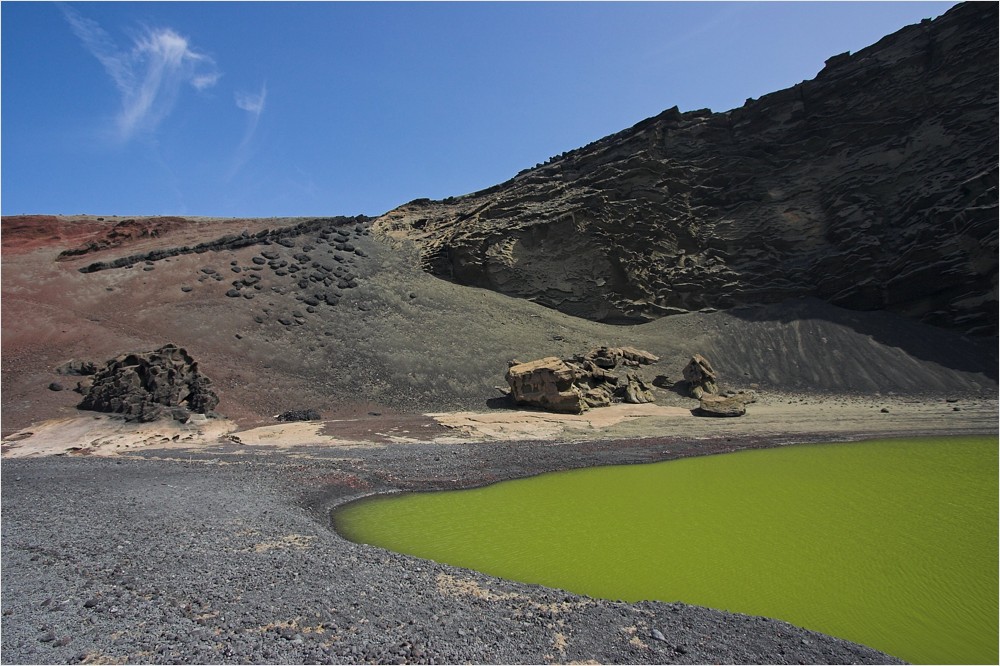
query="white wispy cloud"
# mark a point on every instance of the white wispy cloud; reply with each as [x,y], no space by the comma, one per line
[253,104]
[149,74]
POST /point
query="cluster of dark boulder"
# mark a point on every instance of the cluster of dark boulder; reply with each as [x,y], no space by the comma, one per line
[145,386]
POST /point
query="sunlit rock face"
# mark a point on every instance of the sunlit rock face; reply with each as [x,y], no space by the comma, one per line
[872,186]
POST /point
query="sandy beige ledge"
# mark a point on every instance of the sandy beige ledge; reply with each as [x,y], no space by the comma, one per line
[104,435]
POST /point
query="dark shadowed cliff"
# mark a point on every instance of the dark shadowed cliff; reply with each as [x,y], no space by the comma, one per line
[872,186]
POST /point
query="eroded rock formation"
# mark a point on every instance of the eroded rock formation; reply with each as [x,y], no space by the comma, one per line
[146,386]
[700,377]
[575,385]
[872,186]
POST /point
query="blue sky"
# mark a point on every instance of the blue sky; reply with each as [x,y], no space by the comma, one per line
[271,109]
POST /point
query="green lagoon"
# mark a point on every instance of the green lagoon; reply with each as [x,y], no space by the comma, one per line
[890,543]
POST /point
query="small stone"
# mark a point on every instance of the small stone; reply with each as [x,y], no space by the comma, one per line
[884,410]
[56,386]
[186,289]
[657,635]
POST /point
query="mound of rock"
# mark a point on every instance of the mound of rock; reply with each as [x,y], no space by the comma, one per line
[148,385]
[575,385]
[700,377]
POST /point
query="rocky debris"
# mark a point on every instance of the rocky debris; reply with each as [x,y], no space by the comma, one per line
[56,386]
[700,377]
[730,404]
[315,261]
[872,186]
[299,415]
[145,386]
[580,383]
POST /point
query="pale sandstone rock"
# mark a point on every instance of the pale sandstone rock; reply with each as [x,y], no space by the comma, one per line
[546,383]
[700,377]
[572,386]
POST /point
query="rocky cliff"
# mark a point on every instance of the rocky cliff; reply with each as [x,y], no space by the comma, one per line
[872,186]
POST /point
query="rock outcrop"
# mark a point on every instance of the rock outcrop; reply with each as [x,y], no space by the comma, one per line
[147,386]
[872,186]
[574,385]
[700,377]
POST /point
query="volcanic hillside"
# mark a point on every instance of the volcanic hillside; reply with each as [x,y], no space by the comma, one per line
[804,243]
[872,187]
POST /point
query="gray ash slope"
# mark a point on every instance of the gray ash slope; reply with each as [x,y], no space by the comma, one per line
[872,187]
[210,558]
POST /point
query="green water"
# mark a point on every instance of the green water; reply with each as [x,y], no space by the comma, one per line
[889,543]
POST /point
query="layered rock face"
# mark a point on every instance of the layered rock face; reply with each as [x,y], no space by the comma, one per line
[146,386]
[872,186]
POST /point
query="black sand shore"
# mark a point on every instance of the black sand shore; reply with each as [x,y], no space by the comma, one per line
[226,555]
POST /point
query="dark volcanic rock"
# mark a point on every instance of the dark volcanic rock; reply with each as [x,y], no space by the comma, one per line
[300,415]
[872,186]
[228,242]
[144,386]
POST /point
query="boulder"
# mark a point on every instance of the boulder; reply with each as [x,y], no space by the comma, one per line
[149,385]
[700,377]
[547,383]
[732,404]
[577,384]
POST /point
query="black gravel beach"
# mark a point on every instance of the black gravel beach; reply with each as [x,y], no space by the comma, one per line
[225,555]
